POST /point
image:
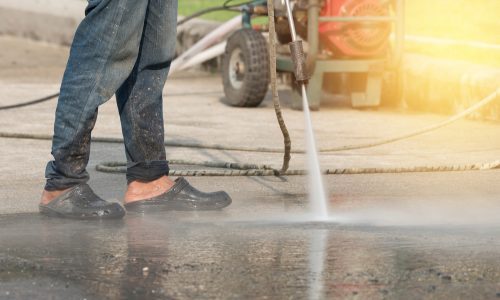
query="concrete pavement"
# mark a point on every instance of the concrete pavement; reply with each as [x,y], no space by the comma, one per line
[194,113]
[392,236]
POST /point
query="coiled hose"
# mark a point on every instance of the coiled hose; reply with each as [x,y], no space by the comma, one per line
[235,169]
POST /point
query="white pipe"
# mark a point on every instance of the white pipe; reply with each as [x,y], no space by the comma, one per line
[207,41]
[202,57]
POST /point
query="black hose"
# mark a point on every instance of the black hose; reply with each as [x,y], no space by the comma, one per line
[277,107]
[235,169]
[50,97]
[225,6]
[201,12]
[33,102]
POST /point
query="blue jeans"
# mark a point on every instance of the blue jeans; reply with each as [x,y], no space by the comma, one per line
[123,47]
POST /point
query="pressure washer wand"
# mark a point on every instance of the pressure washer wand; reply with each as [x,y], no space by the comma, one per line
[297,51]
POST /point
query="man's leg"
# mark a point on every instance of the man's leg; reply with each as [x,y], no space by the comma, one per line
[140,103]
[103,54]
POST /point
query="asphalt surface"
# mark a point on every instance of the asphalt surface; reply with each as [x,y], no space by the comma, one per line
[391,236]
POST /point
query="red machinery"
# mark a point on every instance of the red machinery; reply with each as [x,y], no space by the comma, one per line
[355,42]
[355,39]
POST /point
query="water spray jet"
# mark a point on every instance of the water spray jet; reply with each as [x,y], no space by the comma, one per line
[317,192]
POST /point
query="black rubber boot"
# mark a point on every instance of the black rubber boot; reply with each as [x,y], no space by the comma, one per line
[182,196]
[80,202]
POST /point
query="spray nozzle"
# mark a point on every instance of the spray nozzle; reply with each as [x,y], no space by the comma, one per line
[299,62]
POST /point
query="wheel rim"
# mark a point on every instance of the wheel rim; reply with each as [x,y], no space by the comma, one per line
[237,68]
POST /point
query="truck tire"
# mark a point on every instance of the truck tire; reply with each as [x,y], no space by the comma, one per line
[245,69]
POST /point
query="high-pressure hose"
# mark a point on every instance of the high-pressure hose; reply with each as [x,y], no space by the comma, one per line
[29,103]
[274,89]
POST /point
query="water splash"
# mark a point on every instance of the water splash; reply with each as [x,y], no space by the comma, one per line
[317,192]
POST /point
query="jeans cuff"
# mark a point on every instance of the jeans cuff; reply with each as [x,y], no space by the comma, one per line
[59,185]
[146,170]
[57,180]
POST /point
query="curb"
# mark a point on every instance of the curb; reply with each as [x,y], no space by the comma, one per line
[449,86]
[59,30]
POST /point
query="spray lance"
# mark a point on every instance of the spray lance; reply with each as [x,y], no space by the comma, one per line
[297,51]
[317,193]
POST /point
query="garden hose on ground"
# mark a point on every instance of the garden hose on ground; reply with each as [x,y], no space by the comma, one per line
[29,103]
[50,97]
[235,169]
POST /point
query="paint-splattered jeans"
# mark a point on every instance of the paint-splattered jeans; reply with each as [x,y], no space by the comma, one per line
[123,47]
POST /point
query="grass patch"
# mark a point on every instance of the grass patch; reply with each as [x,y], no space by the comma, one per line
[187,7]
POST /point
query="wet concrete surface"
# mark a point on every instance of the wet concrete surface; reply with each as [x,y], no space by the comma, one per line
[392,236]
[205,256]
